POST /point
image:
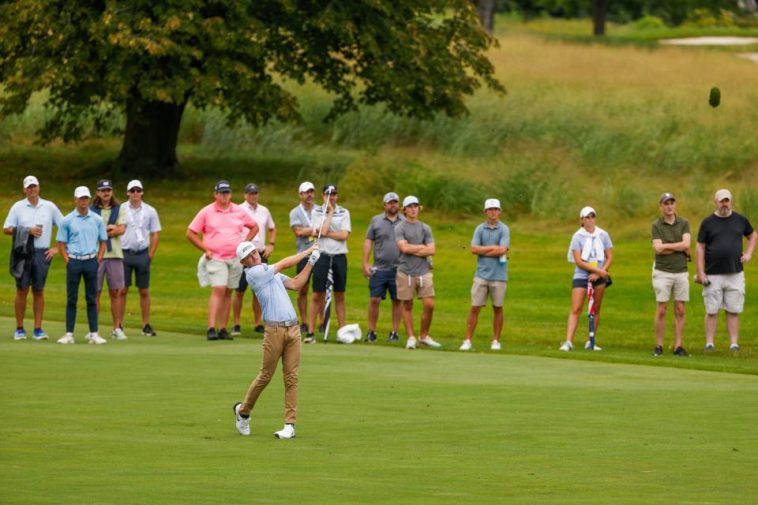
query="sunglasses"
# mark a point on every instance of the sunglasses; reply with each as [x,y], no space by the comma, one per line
[589,216]
[135,190]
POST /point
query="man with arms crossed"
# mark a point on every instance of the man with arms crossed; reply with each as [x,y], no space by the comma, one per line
[139,243]
[82,242]
[720,267]
[491,243]
[38,216]
[671,242]
[265,222]
[381,276]
[281,338]
[414,276]
[302,226]
[216,230]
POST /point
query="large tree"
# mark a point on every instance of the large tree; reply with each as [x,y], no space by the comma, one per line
[147,60]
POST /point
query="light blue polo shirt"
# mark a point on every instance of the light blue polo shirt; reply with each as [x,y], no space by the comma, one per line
[46,213]
[489,268]
[271,293]
[81,234]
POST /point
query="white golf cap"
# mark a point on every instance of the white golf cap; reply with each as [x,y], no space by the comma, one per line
[410,200]
[244,250]
[391,196]
[306,186]
[134,183]
[82,192]
[349,333]
[723,194]
[492,203]
[30,180]
[586,211]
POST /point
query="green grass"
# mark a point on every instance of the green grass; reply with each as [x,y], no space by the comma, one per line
[149,421]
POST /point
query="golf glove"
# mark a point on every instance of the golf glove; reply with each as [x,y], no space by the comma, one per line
[313,258]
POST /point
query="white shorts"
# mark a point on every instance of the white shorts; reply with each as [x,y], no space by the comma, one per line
[726,292]
[666,284]
[224,272]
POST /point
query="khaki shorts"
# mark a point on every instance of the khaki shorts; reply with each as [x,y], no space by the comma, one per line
[666,284]
[421,285]
[481,289]
[224,272]
[725,292]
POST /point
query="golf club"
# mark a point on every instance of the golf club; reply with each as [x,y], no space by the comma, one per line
[591,313]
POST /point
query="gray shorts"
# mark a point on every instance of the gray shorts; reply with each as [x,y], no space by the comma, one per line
[138,263]
[113,270]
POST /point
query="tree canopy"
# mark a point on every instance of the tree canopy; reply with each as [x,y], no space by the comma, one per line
[148,59]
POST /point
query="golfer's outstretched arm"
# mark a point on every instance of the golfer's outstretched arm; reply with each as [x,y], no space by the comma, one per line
[291,261]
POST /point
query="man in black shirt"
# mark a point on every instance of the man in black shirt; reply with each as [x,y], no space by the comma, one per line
[720,263]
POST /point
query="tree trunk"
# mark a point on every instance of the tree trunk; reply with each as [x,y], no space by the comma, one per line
[486,11]
[152,131]
[599,13]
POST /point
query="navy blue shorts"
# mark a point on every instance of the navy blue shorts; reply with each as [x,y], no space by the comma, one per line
[381,282]
[37,275]
[582,283]
[138,263]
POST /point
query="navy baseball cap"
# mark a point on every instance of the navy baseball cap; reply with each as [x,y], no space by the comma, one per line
[251,188]
[223,186]
[103,184]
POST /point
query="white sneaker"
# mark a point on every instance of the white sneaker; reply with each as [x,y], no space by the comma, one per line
[465,346]
[411,343]
[67,339]
[243,423]
[734,348]
[587,347]
[287,432]
[94,338]
[495,345]
[118,334]
[430,342]
[567,346]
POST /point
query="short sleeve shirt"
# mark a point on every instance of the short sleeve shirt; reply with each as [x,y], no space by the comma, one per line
[116,252]
[577,244]
[24,214]
[265,222]
[301,218]
[490,268]
[676,262]
[82,233]
[271,293]
[141,222]
[381,231]
[416,233]
[340,222]
[722,237]
[222,229]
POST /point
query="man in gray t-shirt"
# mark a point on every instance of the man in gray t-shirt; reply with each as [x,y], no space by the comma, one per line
[302,227]
[414,276]
[381,237]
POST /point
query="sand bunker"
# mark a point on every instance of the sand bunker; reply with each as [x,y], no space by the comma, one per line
[711,41]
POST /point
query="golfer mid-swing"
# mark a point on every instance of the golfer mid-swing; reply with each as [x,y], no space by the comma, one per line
[281,338]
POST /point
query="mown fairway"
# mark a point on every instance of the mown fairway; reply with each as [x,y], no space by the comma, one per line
[149,421]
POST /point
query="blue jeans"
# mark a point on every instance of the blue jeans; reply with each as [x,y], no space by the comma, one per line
[75,270]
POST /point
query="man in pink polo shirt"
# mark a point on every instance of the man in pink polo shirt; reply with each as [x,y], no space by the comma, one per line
[216,230]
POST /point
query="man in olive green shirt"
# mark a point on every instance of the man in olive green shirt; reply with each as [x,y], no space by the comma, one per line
[671,242]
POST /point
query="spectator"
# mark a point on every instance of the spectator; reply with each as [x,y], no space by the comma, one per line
[265,222]
[216,230]
[591,250]
[302,226]
[414,276]
[491,243]
[720,267]
[139,244]
[82,243]
[112,266]
[334,227]
[32,217]
[381,275]
[671,242]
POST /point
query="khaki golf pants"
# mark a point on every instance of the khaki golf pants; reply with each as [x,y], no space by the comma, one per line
[278,342]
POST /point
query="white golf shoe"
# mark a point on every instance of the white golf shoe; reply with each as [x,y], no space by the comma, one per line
[411,343]
[465,346]
[287,432]
[243,423]
[118,334]
[94,338]
[495,345]
[567,346]
[588,347]
[430,342]
[67,339]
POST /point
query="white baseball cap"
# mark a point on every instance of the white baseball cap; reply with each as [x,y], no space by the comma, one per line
[30,180]
[244,250]
[82,192]
[723,194]
[492,203]
[134,183]
[391,196]
[349,333]
[410,200]
[306,186]
[586,211]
